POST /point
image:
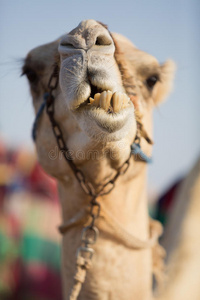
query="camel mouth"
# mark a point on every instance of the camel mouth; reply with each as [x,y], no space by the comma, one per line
[107,110]
[109,102]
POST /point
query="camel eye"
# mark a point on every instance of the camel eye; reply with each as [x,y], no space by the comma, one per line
[31,75]
[151,81]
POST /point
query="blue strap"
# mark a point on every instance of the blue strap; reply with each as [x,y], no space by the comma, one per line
[137,151]
[38,115]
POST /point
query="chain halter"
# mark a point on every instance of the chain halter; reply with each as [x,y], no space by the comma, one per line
[89,233]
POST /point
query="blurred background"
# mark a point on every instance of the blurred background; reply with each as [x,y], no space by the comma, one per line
[28,199]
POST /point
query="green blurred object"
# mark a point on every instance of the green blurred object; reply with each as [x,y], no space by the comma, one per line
[34,248]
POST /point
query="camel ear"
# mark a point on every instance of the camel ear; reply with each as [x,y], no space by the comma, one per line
[165,84]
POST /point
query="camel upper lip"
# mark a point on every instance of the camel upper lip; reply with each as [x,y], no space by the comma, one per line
[94,90]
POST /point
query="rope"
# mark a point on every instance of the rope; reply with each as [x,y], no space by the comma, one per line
[137,151]
[83,264]
[129,240]
[79,218]
[121,233]
[38,115]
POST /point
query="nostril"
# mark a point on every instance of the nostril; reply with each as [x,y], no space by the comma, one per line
[66,44]
[103,40]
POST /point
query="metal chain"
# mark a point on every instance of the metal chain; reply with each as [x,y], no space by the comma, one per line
[91,232]
[87,187]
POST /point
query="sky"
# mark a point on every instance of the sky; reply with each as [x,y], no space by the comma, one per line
[165,29]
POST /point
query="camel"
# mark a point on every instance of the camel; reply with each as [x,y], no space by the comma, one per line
[105,90]
[182,245]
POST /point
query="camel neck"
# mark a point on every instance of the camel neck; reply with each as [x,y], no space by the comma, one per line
[127,201]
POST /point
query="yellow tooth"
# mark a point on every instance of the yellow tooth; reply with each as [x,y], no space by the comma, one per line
[109,96]
[102,101]
[117,101]
[91,100]
[96,99]
[105,98]
[125,101]
[97,96]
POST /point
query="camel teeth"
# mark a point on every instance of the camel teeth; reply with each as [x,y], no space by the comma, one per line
[91,100]
[96,99]
[125,101]
[109,96]
[117,101]
[105,98]
[97,96]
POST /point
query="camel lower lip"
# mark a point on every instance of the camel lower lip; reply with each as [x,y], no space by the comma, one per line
[110,122]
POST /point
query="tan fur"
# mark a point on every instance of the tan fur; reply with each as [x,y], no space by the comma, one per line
[118,272]
[183,244]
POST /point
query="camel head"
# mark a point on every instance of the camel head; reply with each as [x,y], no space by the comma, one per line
[104,84]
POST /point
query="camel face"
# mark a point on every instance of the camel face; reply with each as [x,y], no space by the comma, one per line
[91,82]
[88,65]
[103,80]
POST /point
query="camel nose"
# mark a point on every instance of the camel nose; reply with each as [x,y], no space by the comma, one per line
[87,35]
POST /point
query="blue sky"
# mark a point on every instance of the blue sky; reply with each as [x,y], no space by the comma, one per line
[165,29]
